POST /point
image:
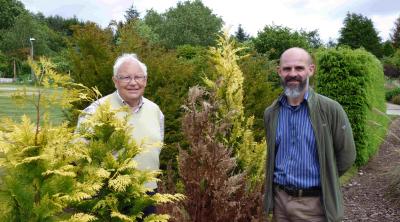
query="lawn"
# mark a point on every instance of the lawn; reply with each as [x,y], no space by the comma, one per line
[8,107]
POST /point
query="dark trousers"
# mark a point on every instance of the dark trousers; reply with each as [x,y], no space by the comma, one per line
[149,209]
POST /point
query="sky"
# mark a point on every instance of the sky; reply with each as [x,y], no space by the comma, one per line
[324,15]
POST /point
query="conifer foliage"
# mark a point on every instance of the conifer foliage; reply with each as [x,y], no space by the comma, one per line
[50,173]
[113,187]
[215,127]
[228,88]
[206,168]
[36,169]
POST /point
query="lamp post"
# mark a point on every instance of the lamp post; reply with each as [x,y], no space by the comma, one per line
[31,41]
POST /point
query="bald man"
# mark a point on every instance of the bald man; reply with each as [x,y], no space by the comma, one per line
[310,144]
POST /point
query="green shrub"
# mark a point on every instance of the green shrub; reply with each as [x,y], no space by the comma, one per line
[396,99]
[392,93]
[355,79]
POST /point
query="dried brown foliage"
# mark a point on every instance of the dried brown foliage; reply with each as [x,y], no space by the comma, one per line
[213,191]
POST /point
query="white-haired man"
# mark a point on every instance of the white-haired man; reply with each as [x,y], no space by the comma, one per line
[130,79]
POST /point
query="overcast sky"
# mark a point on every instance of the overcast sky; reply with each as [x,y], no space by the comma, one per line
[325,15]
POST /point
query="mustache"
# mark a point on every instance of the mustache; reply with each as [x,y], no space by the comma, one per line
[291,78]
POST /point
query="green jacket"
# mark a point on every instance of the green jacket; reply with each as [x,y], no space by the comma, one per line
[335,145]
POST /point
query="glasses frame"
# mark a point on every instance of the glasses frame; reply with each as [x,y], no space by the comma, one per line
[127,79]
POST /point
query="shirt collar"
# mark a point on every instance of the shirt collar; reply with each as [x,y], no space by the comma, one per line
[134,109]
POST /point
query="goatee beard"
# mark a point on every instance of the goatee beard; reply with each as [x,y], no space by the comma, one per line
[296,91]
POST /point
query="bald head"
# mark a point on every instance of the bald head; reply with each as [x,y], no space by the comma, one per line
[298,53]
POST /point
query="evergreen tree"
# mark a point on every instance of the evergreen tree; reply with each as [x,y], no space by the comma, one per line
[228,87]
[52,174]
[91,56]
[37,157]
[219,135]
[395,37]
[387,48]
[358,31]
[240,35]
[131,14]
[313,38]
[62,25]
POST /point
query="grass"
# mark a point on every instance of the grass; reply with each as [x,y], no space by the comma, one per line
[9,108]
[345,178]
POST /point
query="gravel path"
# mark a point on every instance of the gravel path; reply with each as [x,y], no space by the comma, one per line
[365,195]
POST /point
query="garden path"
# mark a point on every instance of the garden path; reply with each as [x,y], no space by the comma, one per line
[392,109]
[366,194]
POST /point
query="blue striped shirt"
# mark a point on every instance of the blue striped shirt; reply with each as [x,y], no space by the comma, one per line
[296,161]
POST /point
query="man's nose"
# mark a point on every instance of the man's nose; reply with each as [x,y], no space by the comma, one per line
[133,82]
[292,72]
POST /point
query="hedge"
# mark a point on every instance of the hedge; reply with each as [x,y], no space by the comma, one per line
[355,79]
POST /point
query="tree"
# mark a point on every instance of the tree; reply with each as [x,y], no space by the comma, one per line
[358,31]
[91,56]
[154,20]
[313,38]
[16,46]
[240,35]
[36,156]
[62,25]
[274,40]
[9,10]
[16,39]
[228,88]
[395,37]
[219,136]
[189,23]
[258,69]
[131,13]
[387,48]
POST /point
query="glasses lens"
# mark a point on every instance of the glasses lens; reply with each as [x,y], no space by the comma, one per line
[139,78]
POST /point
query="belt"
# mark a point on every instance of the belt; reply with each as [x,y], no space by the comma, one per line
[309,192]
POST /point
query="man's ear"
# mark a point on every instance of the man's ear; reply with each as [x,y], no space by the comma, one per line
[115,81]
[311,69]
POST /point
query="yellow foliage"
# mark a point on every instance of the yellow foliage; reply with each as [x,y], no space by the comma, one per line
[78,196]
[120,183]
[167,198]
[66,170]
[229,91]
[102,173]
[81,217]
[157,218]
[121,216]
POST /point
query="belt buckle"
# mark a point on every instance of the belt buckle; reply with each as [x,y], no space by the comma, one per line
[291,191]
[294,192]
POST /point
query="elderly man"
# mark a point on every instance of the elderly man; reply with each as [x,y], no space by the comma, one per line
[310,144]
[130,79]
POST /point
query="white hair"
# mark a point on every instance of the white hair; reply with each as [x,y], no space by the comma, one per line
[128,57]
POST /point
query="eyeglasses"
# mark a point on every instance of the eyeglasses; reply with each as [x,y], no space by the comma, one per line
[128,79]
